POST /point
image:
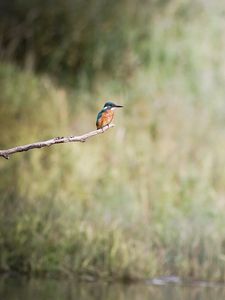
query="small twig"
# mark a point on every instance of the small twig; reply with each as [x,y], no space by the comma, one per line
[58,140]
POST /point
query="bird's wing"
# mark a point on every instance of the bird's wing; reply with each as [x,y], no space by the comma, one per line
[99,116]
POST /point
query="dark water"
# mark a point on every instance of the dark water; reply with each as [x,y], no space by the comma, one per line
[48,289]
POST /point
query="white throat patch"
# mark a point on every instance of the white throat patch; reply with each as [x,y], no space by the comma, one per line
[109,107]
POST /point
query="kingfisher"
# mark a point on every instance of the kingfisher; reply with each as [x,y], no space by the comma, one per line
[105,116]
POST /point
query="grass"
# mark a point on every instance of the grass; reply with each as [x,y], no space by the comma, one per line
[146,198]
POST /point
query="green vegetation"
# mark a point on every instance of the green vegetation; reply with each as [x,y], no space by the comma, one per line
[146,198]
[70,38]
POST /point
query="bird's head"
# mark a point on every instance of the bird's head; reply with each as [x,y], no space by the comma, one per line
[111,105]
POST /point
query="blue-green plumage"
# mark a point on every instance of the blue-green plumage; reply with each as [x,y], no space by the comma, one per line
[99,116]
[105,116]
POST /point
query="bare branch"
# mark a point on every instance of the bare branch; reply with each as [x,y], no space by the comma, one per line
[57,140]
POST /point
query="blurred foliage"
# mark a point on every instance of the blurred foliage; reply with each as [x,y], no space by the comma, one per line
[147,197]
[69,37]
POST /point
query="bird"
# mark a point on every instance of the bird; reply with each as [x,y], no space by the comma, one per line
[105,116]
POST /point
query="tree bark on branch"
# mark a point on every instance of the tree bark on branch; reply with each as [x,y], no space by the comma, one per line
[58,140]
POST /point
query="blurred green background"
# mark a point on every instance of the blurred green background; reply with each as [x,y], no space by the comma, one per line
[146,198]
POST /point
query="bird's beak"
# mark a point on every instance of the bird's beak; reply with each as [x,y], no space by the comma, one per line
[119,106]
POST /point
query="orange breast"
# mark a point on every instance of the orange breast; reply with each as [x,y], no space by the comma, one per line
[106,118]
